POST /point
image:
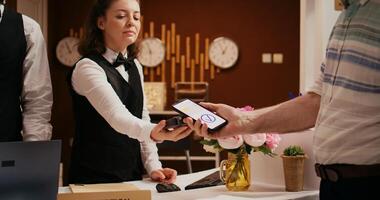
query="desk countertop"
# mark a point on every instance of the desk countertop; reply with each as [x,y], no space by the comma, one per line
[163,112]
[256,191]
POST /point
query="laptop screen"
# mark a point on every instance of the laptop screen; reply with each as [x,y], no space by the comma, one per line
[29,170]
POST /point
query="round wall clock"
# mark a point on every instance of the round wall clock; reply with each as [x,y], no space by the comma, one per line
[223,52]
[152,52]
[67,51]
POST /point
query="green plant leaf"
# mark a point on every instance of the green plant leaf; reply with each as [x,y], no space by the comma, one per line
[293,150]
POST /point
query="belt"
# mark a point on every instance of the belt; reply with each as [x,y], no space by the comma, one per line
[336,172]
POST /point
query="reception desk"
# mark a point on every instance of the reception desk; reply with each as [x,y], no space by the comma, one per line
[256,191]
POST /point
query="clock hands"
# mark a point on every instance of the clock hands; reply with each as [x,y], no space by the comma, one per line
[68,48]
[150,50]
[223,48]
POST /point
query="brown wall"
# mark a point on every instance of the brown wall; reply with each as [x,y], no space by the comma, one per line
[12,4]
[63,15]
[257,27]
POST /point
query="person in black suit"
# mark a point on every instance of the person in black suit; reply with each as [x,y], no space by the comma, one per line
[114,138]
[25,85]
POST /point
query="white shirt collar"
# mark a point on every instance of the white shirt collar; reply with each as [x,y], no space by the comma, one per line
[111,55]
[1,11]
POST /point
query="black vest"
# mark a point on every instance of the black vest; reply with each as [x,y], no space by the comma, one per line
[100,154]
[12,55]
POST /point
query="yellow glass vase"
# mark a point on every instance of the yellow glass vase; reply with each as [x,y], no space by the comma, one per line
[235,172]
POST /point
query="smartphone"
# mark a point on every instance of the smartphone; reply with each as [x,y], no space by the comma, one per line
[196,111]
[174,122]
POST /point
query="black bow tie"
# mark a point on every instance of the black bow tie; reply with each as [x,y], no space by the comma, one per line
[134,82]
[121,60]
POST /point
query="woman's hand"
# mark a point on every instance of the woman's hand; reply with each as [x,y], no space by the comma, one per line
[166,175]
[160,134]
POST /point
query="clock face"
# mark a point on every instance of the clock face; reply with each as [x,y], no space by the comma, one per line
[223,52]
[67,51]
[152,52]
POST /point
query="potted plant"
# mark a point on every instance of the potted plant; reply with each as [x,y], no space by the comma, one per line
[293,159]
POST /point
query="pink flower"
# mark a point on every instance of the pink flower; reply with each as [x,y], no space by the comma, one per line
[255,140]
[231,142]
[246,108]
[273,140]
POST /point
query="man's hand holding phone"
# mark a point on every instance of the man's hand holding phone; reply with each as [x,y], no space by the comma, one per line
[236,121]
[200,113]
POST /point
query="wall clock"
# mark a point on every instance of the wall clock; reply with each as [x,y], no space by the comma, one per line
[151,52]
[223,52]
[67,51]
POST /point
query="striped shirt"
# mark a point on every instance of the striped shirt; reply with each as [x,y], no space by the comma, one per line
[348,123]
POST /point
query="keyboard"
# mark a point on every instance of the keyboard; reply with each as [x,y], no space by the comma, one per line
[208,181]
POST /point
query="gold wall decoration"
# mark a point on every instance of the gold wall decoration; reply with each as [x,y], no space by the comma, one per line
[177,48]
[212,71]
[173,72]
[151,74]
[168,44]
[192,73]
[173,32]
[201,67]
[183,69]
[187,52]
[155,93]
[207,43]
[197,48]
[77,34]
[163,74]
[151,29]
[187,56]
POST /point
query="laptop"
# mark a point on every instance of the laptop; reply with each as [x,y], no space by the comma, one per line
[29,170]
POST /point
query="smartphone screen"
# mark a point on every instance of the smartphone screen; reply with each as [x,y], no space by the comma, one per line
[196,111]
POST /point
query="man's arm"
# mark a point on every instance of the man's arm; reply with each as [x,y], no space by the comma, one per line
[297,114]
[36,96]
[293,115]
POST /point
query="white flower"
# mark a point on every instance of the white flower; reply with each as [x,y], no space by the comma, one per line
[210,149]
[255,140]
[231,142]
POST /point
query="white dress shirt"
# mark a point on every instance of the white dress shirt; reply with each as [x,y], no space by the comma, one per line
[90,80]
[36,95]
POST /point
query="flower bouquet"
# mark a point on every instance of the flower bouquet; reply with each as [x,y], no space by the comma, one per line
[237,175]
[259,142]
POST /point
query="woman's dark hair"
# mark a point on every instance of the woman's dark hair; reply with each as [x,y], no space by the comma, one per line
[93,41]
